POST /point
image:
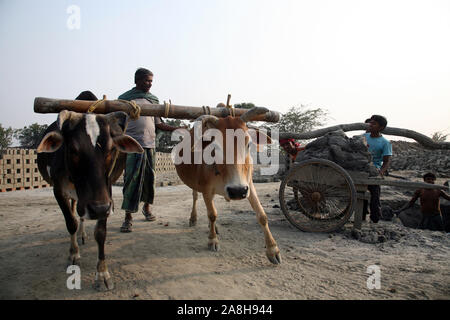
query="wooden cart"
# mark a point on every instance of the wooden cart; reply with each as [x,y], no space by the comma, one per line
[318,195]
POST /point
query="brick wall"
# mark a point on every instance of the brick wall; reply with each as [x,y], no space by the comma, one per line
[164,163]
[18,169]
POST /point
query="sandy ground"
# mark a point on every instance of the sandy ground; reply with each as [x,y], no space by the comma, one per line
[167,259]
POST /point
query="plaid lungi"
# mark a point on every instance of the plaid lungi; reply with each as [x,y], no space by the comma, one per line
[139,180]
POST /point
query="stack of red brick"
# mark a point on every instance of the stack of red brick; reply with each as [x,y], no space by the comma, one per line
[18,170]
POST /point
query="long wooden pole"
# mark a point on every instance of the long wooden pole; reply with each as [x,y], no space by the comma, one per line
[48,105]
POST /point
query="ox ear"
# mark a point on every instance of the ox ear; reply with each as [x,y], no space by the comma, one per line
[51,142]
[127,144]
[260,138]
[208,121]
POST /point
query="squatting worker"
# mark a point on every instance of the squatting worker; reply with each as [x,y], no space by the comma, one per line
[429,205]
[381,150]
[139,175]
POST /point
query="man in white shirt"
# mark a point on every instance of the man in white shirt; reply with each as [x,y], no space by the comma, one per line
[139,176]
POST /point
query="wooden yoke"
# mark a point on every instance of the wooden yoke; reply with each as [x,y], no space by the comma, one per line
[48,105]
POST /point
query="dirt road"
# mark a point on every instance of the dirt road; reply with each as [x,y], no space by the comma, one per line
[167,259]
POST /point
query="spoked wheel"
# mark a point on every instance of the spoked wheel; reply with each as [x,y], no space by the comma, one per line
[317,195]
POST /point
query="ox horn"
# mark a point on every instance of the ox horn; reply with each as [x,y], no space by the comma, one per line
[73,118]
[117,121]
[253,114]
[208,120]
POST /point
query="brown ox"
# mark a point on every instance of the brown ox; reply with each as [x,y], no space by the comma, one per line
[233,180]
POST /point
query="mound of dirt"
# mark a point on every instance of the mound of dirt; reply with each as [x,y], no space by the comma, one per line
[349,153]
[376,233]
[412,156]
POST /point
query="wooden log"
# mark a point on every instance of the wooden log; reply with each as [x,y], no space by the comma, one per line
[420,138]
[48,105]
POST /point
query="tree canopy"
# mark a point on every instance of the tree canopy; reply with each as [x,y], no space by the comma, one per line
[30,136]
[6,137]
[244,105]
[301,119]
[439,137]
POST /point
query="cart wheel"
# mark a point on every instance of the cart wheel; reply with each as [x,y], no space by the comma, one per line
[317,195]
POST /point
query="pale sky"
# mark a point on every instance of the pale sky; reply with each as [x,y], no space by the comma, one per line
[352,58]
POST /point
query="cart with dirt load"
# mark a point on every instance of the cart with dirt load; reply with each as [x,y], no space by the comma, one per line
[319,195]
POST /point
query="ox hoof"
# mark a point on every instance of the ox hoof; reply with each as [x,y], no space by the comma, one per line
[276,259]
[192,223]
[103,281]
[213,245]
[274,256]
[74,260]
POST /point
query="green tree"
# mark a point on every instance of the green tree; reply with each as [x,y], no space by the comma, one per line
[439,137]
[6,136]
[244,105]
[300,119]
[29,137]
[297,119]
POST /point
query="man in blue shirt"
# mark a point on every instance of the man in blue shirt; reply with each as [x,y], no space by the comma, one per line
[381,150]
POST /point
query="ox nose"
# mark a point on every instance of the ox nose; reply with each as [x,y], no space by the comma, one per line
[96,210]
[237,192]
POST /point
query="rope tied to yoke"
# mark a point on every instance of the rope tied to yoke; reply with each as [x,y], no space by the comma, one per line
[134,110]
[167,108]
[232,111]
[206,110]
[94,106]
